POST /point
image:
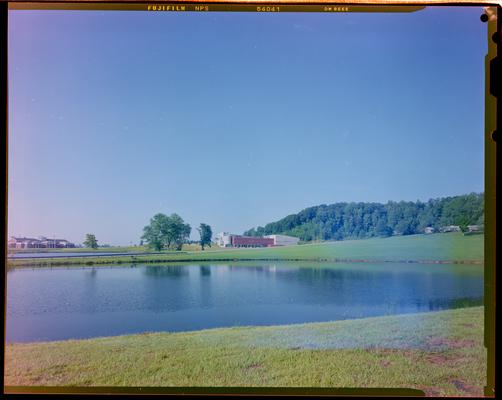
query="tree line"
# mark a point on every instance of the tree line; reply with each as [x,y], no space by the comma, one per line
[171,232]
[363,220]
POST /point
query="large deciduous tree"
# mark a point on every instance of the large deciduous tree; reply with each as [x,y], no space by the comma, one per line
[155,233]
[166,232]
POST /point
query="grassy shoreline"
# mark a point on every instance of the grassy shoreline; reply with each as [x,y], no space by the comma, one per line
[434,248]
[439,352]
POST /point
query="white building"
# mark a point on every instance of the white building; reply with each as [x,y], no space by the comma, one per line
[226,239]
[223,239]
[473,228]
[451,228]
[283,240]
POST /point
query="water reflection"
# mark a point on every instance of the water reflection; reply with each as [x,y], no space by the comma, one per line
[162,271]
[205,270]
[60,304]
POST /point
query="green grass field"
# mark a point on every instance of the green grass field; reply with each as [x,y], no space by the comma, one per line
[450,247]
[440,353]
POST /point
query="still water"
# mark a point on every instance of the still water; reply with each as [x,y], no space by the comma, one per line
[58,304]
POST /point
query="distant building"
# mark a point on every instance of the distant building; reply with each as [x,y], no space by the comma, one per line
[451,228]
[429,229]
[225,239]
[474,228]
[41,243]
[283,240]
[22,243]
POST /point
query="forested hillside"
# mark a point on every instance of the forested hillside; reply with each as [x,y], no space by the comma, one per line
[362,220]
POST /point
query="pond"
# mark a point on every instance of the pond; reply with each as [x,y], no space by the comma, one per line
[57,304]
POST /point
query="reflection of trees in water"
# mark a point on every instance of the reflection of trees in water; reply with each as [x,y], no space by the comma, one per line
[205,270]
[307,274]
[91,273]
[399,288]
[249,268]
[421,304]
[314,274]
[166,271]
[459,303]
[266,270]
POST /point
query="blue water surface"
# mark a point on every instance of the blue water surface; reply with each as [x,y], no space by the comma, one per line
[73,303]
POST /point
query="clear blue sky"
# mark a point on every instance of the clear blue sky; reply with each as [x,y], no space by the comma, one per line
[236,119]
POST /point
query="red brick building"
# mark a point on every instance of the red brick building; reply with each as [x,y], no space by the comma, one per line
[251,241]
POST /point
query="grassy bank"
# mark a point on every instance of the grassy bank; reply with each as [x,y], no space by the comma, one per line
[452,247]
[111,249]
[441,353]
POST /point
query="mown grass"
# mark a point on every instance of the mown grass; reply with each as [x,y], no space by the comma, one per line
[451,247]
[441,353]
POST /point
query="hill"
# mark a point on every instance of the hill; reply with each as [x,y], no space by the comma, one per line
[364,220]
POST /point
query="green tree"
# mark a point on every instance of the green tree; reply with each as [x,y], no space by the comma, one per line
[382,229]
[206,234]
[463,222]
[481,220]
[166,232]
[156,233]
[90,241]
[179,232]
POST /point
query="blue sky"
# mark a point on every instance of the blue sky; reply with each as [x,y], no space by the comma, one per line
[236,119]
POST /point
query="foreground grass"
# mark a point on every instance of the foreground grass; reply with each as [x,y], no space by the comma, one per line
[441,353]
[451,247]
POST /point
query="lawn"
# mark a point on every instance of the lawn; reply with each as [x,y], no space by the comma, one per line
[440,353]
[441,247]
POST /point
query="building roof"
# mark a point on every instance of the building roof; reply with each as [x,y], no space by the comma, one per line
[22,239]
[282,236]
